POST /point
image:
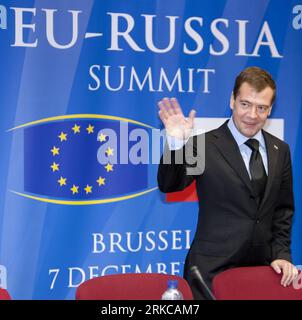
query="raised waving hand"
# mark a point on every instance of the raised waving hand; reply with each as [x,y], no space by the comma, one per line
[175,123]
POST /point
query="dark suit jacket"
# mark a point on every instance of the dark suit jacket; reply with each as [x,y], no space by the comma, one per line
[233,228]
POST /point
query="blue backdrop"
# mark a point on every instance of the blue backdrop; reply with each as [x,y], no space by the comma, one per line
[74,64]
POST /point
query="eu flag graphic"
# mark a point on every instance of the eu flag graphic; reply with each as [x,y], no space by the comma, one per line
[61,161]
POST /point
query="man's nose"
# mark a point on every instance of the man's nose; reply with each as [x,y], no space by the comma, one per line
[253,112]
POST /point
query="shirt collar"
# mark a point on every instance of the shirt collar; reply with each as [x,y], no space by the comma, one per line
[240,138]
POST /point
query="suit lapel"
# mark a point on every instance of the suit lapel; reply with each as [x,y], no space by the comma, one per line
[229,149]
[272,150]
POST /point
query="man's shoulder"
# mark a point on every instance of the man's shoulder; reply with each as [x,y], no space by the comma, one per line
[270,138]
[221,130]
[210,134]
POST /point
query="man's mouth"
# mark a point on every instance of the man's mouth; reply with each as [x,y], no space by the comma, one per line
[249,124]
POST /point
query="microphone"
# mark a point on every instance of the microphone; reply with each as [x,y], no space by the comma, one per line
[196,274]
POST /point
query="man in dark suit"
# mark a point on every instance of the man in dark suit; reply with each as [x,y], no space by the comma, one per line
[245,191]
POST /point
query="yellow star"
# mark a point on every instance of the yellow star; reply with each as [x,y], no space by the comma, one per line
[74,189]
[55,167]
[109,167]
[76,129]
[102,137]
[88,189]
[63,136]
[55,150]
[109,151]
[62,181]
[100,181]
[90,129]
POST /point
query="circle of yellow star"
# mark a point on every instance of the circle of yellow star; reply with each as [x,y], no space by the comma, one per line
[74,189]
[55,167]
[88,189]
[102,137]
[100,181]
[55,150]
[63,136]
[109,151]
[90,129]
[76,129]
[62,181]
[109,167]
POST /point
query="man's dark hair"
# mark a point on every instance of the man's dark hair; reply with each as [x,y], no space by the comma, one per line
[257,78]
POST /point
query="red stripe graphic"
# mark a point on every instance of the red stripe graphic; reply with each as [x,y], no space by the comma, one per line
[187,195]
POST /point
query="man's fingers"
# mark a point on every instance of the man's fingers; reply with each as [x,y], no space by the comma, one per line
[192,115]
[172,116]
[292,275]
[276,267]
[284,275]
[171,107]
[168,106]
[176,106]
[287,273]
[191,118]
[163,113]
[162,117]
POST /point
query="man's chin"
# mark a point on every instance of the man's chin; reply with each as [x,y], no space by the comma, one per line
[249,132]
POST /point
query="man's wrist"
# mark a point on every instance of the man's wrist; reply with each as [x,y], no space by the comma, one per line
[175,143]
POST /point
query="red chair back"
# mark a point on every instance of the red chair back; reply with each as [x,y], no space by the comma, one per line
[130,286]
[253,283]
[4,295]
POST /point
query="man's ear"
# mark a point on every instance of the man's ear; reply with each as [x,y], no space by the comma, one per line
[232,101]
[270,110]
